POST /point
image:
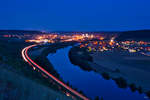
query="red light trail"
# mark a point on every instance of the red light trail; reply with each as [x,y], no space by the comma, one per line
[31,62]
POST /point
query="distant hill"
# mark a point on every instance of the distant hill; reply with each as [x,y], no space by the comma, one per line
[2,32]
[134,35]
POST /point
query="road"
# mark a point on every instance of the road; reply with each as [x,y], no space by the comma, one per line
[31,62]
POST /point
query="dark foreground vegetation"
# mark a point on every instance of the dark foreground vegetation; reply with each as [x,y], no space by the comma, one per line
[11,55]
[16,74]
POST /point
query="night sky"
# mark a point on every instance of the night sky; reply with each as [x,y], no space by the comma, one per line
[75,15]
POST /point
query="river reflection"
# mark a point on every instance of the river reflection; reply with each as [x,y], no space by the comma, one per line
[91,83]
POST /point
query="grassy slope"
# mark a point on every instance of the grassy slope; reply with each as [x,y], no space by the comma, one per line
[136,35]
[10,54]
[15,87]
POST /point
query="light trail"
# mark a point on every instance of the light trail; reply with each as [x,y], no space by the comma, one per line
[31,62]
[24,55]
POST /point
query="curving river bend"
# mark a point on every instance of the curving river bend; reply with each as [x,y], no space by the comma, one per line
[91,83]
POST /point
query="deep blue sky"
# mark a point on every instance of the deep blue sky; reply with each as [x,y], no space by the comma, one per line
[75,15]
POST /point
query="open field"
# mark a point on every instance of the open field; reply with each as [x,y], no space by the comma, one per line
[133,67]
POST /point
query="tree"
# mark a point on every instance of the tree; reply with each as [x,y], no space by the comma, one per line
[101,98]
[140,89]
[148,93]
[96,98]
[132,87]
[121,82]
[105,75]
[1,58]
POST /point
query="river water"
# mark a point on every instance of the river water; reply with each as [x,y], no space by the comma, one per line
[91,83]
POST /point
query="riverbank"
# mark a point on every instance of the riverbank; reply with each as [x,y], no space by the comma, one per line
[80,58]
[39,55]
[106,64]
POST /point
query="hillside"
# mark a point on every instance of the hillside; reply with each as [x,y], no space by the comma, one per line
[16,87]
[19,32]
[134,35]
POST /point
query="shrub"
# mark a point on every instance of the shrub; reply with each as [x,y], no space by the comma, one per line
[105,75]
[96,98]
[148,93]
[117,70]
[132,87]
[139,89]
[121,82]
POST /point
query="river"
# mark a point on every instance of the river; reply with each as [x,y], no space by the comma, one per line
[91,83]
